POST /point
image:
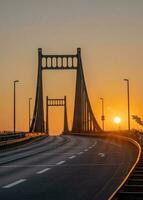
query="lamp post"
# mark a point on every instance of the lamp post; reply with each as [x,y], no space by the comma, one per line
[102,116]
[29,112]
[14,111]
[128,99]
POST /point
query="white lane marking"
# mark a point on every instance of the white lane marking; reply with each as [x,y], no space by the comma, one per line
[71,157]
[61,162]
[42,171]
[101,155]
[94,144]
[14,183]
[85,149]
[80,153]
[90,147]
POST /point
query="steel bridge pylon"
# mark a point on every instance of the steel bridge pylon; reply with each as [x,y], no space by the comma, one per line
[84,119]
[37,124]
[57,102]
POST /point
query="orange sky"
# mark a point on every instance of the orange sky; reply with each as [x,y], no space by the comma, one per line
[110,36]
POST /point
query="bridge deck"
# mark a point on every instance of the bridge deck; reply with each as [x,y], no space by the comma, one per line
[66,168]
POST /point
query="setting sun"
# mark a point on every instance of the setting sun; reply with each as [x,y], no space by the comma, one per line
[117,120]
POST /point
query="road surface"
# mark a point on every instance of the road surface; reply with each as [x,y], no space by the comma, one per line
[64,168]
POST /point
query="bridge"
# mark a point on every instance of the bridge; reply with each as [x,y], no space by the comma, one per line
[82,163]
[83,120]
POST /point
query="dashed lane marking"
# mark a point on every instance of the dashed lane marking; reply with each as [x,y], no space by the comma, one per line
[71,157]
[42,171]
[14,183]
[61,162]
[94,144]
[86,150]
[101,155]
[80,153]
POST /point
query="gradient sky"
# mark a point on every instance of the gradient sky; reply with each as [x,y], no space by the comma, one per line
[110,34]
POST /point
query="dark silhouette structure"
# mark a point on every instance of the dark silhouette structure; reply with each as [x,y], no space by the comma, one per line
[83,120]
[57,102]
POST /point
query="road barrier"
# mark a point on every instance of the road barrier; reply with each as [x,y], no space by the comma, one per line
[18,138]
[11,136]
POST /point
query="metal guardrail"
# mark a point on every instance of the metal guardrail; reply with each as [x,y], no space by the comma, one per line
[18,138]
[14,141]
[11,136]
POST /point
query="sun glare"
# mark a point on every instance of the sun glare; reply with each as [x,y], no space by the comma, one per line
[117,120]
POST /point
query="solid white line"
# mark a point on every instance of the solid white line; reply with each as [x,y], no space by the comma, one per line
[71,157]
[61,162]
[80,153]
[42,171]
[14,183]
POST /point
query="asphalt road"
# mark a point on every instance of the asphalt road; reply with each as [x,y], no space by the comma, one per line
[65,168]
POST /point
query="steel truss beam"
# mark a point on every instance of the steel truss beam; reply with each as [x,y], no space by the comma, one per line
[65,62]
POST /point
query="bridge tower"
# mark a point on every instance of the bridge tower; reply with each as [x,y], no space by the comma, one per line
[83,120]
[38,115]
[57,102]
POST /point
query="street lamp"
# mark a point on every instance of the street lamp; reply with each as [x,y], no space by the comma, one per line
[29,112]
[14,112]
[102,116]
[128,99]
